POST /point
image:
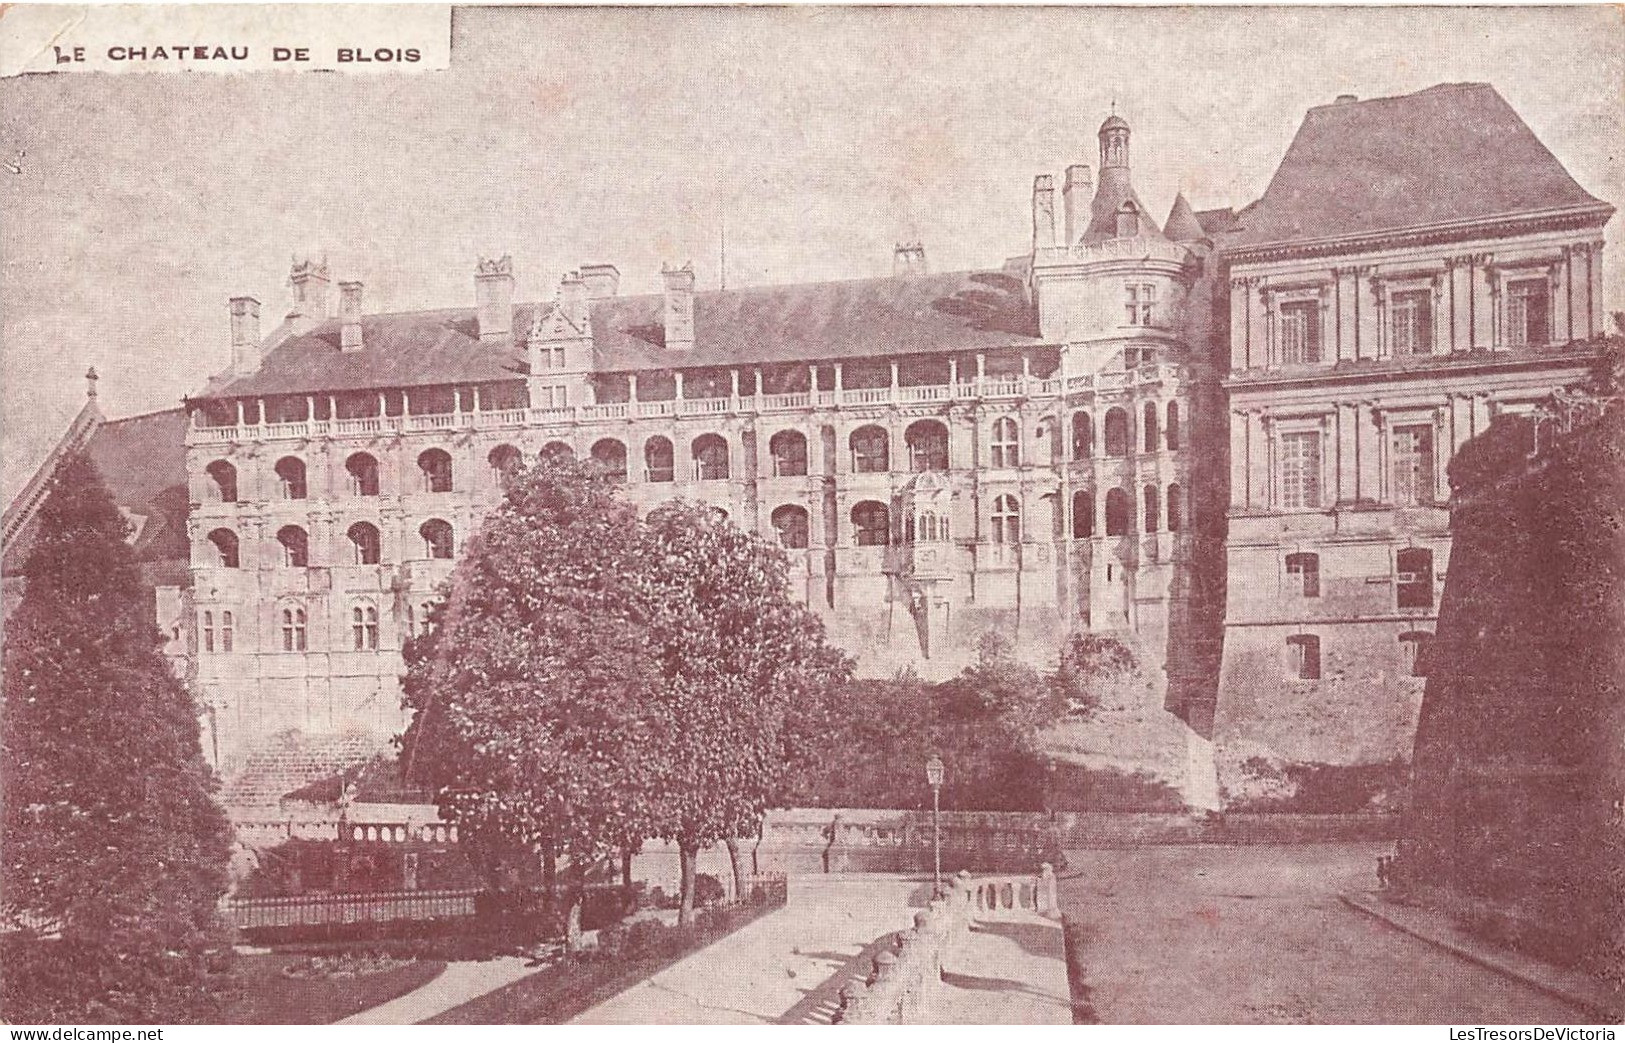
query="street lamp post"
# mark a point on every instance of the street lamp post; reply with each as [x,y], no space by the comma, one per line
[933,775]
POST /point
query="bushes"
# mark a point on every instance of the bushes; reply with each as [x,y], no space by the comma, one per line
[708,890]
[1320,789]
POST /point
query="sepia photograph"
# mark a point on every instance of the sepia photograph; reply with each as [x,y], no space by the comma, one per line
[812,515]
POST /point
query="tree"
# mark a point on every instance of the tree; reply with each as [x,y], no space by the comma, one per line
[110,829]
[737,654]
[533,690]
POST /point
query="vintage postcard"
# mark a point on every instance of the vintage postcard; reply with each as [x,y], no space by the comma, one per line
[812,515]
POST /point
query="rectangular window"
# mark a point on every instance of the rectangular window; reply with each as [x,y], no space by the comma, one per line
[1411,322]
[1414,583]
[1299,326]
[1142,299]
[1411,648]
[1412,448]
[1303,657]
[1304,572]
[1527,322]
[227,626]
[1300,470]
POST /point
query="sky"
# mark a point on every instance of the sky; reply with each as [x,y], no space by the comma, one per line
[819,137]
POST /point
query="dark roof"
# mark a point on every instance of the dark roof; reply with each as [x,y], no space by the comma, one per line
[1114,190]
[1450,153]
[899,315]
[143,461]
[854,318]
[408,349]
[377,781]
[1182,225]
[291,761]
[1215,222]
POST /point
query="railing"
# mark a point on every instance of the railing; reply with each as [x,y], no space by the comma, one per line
[905,978]
[987,387]
[322,910]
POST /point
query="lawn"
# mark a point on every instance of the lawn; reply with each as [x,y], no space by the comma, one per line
[557,994]
[269,996]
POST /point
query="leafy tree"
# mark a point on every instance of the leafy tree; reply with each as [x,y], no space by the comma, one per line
[1091,664]
[736,655]
[110,829]
[533,690]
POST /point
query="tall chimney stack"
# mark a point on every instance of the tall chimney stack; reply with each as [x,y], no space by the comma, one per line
[349,316]
[908,260]
[493,299]
[603,281]
[679,306]
[309,281]
[1043,211]
[245,334]
[1075,201]
[573,298]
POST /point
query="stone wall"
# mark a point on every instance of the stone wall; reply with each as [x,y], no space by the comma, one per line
[1520,752]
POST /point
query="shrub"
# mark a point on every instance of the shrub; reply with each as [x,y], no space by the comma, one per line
[645,938]
[612,941]
[708,890]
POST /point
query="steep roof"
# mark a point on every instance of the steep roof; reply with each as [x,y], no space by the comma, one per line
[1450,153]
[405,349]
[291,761]
[853,318]
[1110,195]
[143,461]
[1182,225]
[1215,222]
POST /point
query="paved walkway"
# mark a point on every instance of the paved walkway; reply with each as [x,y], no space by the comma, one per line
[1565,983]
[1260,935]
[1008,972]
[457,984]
[789,967]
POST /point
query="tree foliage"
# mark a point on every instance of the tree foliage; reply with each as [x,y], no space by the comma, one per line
[110,826]
[874,737]
[533,690]
[592,680]
[736,654]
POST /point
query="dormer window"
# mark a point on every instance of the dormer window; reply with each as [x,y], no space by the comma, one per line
[1300,333]
[1128,222]
[1142,298]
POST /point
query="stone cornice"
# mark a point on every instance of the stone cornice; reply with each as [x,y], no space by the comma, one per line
[1582,353]
[1502,226]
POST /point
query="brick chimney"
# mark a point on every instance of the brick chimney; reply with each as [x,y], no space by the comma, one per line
[1075,201]
[349,316]
[309,281]
[574,292]
[679,306]
[245,334]
[1043,211]
[603,280]
[493,299]
[908,259]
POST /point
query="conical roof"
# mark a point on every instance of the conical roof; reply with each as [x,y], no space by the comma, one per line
[1182,225]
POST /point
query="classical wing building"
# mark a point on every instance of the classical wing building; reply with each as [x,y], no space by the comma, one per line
[1222,437]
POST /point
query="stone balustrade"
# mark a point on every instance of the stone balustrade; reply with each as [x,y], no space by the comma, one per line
[496,419]
[905,975]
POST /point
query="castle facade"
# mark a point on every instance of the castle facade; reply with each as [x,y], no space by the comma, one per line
[1222,437]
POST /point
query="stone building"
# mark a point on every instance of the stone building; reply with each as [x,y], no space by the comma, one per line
[1417,266]
[1225,430]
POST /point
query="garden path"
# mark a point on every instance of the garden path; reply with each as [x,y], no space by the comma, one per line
[460,982]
